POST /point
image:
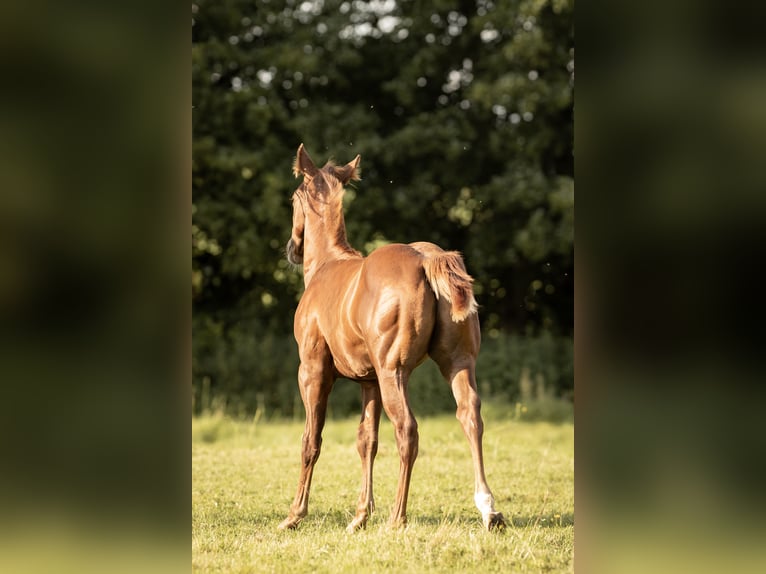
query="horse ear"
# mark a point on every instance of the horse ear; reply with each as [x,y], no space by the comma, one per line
[350,171]
[303,164]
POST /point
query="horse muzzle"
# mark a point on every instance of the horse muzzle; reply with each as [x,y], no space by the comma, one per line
[294,255]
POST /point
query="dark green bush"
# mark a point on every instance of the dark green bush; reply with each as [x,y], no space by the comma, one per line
[248,367]
[483,165]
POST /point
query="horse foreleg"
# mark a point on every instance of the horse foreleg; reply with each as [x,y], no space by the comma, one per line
[367,445]
[463,384]
[315,386]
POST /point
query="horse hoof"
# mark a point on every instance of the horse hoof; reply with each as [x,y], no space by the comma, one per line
[356,524]
[494,521]
[289,523]
[397,523]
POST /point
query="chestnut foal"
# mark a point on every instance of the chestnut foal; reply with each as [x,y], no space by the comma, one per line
[373,320]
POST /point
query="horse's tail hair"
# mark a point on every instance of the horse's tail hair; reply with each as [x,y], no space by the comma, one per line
[448,278]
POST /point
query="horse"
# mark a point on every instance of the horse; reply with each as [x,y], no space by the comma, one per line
[373,320]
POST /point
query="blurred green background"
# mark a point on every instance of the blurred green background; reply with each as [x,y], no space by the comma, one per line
[462,112]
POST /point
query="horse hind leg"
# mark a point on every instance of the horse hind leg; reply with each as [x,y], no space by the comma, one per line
[393,390]
[463,382]
[455,353]
[367,445]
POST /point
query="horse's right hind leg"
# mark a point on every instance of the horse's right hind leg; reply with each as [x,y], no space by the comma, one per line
[455,353]
[463,382]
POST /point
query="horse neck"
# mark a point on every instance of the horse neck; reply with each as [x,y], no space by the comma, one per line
[325,240]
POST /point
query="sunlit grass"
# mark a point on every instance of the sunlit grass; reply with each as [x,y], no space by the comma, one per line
[245,475]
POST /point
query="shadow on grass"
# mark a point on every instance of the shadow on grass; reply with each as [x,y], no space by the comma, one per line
[339,519]
[551,520]
[332,520]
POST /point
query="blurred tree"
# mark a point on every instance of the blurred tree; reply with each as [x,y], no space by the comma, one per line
[462,112]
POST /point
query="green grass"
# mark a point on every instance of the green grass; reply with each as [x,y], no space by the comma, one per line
[245,475]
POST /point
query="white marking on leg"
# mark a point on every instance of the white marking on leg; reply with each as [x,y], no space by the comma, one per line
[485,502]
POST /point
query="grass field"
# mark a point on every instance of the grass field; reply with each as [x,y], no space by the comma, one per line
[245,475]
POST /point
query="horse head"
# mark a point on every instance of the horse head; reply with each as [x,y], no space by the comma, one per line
[319,196]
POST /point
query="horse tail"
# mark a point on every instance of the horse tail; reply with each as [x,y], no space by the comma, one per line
[448,278]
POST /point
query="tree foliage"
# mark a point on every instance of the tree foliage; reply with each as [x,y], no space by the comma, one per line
[462,112]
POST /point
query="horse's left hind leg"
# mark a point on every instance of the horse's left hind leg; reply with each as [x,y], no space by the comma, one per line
[367,445]
[393,390]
